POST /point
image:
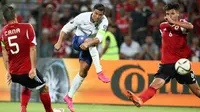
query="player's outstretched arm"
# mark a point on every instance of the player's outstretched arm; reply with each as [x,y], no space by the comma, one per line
[186,25]
[60,39]
[70,26]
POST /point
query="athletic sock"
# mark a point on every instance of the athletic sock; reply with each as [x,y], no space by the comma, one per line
[45,98]
[76,83]
[95,57]
[25,96]
[148,94]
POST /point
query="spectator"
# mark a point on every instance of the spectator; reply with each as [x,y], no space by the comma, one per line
[130,49]
[46,49]
[106,3]
[66,15]
[196,24]
[75,9]
[154,22]
[27,7]
[55,27]
[139,22]
[195,49]
[110,50]
[46,18]
[123,22]
[150,49]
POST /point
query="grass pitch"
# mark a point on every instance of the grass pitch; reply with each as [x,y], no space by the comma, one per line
[38,107]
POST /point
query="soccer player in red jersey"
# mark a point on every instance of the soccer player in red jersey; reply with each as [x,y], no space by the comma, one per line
[19,54]
[174,47]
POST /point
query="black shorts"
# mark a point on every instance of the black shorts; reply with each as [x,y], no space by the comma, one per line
[36,83]
[168,72]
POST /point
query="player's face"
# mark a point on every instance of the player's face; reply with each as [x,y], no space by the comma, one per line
[97,15]
[174,14]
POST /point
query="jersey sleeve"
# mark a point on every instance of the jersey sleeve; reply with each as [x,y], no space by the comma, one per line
[30,33]
[102,29]
[183,30]
[72,24]
[161,27]
[1,40]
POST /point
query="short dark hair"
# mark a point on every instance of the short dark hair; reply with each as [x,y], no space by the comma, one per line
[99,7]
[9,13]
[170,6]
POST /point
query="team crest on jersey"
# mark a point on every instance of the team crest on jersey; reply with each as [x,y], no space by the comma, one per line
[72,21]
[176,27]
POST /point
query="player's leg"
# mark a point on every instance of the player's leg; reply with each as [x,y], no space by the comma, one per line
[25,97]
[77,41]
[85,63]
[39,84]
[36,83]
[45,98]
[191,82]
[195,89]
[156,84]
[96,60]
[26,93]
[77,81]
[161,78]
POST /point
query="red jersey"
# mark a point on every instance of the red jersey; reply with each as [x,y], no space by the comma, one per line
[174,43]
[18,38]
[123,24]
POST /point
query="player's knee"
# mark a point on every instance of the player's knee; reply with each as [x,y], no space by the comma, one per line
[197,93]
[83,74]
[26,91]
[157,83]
[87,39]
[44,89]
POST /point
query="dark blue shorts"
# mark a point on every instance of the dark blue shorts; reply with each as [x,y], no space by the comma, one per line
[84,54]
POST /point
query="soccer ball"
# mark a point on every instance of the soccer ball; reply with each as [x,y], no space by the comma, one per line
[183,66]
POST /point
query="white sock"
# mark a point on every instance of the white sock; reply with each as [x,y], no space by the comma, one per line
[95,57]
[76,83]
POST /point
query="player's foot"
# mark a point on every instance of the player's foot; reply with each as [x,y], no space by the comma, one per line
[69,102]
[102,77]
[23,109]
[135,99]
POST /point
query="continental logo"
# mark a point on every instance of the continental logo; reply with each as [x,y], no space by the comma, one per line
[136,79]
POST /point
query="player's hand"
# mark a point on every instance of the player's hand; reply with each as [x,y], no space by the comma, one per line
[57,46]
[168,19]
[8,78]
[32,73]
[84,46]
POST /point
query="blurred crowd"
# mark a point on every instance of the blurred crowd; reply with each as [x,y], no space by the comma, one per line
[135,25]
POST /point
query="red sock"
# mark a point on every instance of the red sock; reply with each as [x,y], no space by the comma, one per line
[45,98]
[25,96]
[148,94]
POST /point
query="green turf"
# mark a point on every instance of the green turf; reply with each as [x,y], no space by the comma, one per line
[37,107]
